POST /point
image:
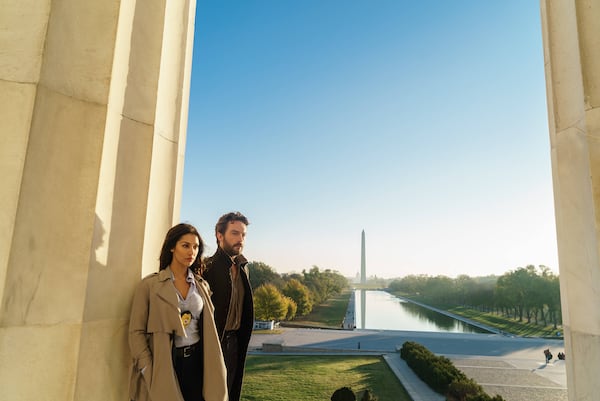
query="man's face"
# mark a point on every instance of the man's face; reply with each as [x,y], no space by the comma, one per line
[232,241]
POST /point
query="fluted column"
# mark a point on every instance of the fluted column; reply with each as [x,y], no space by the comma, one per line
[93,99]
[571,33]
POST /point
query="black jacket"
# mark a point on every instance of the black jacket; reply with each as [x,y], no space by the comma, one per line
[217,274]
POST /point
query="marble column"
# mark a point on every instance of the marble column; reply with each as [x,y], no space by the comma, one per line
[571,35]
[93,104]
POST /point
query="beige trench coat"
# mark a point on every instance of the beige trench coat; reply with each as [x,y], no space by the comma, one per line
[155,316]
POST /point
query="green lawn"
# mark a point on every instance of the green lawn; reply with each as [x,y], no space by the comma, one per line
[312,378]
[506,324]
[329,314]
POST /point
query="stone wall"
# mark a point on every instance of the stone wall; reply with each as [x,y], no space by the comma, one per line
[93,104]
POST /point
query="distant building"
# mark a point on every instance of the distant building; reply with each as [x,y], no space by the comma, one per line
[265,324]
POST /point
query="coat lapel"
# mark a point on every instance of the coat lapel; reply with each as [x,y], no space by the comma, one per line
[170,311]
[165,290]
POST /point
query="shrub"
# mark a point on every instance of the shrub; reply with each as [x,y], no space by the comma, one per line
[466,389]
[441,375]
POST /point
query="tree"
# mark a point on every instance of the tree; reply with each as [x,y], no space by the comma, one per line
[482,294]
[269,304]
[514,287]
[503,293]
[312,279]
[300,294]
[291,308]
[552,297]
[323,285]
[465,288]
[410,285]
[527,292]
[440,289]
[261,273]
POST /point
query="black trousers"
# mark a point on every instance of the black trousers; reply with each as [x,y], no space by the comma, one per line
[189,368]
[230,348]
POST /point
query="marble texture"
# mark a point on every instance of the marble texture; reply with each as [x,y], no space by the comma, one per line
[39,362]
[22,36]
[93,137]
[23,27]
[79,49]
[16,105]
[571,36]
[56,202]
[103,360]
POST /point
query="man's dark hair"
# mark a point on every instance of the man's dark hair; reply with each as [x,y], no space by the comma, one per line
[227,218]
[343,394]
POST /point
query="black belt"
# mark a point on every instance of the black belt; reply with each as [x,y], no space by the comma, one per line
[187,351]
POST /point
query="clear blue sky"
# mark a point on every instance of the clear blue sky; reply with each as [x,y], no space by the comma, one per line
[423,123]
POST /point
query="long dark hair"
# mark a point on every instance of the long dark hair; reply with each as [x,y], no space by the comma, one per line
[173,235]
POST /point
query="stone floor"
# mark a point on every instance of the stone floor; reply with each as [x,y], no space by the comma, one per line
[512,382]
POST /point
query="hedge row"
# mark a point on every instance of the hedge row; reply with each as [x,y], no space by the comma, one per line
[442,376]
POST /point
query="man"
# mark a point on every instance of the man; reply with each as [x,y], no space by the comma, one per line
[227,274]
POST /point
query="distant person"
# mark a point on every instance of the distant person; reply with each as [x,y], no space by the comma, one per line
[227,274]
[561,356]
[172,335]
[548,355]
[343,394]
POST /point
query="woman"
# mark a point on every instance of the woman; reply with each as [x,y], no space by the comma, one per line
[172,334]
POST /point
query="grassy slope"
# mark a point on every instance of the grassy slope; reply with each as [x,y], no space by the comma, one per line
[329,314]
[507,325]
[312,378]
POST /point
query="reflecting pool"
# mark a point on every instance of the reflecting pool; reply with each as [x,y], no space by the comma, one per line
[380,310]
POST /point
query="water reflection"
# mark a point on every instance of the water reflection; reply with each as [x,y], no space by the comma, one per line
[382,311]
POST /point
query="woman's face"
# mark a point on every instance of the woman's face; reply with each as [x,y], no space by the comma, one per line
[185,251]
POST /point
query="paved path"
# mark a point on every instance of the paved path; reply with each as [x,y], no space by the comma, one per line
[510,366]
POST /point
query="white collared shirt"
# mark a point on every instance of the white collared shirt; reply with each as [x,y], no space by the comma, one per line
[190,310]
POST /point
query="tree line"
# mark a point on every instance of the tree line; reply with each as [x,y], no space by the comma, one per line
[286,296]
[528,293]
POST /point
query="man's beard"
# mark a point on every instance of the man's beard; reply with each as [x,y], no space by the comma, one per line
[230,250]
